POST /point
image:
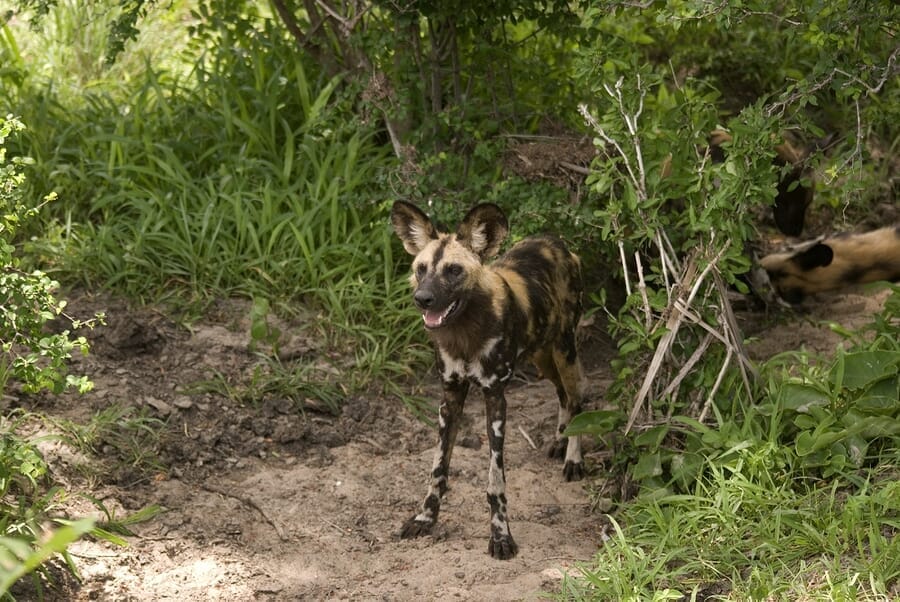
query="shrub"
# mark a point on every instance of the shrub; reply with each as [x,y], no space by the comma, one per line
[38,360]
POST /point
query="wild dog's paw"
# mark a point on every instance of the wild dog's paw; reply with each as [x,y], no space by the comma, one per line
[416,527]
[502,547]
[573,471]
[557,449]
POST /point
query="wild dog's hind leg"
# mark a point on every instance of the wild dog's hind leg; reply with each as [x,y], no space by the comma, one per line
[567,375]
[501,546]
[451,410]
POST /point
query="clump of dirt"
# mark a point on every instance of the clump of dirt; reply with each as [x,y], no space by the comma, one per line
[563,160]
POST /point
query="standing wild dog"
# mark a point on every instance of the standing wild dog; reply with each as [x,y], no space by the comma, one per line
[482,318]
[834,262]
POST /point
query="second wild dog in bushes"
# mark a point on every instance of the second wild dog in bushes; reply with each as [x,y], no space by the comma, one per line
[830,263]
[482,318]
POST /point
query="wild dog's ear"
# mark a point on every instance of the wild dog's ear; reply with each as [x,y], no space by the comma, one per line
[817,256]
[483,230]
[412,226]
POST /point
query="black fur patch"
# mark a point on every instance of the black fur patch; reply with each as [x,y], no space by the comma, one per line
[835,262]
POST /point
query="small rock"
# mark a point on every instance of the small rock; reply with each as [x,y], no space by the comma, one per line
[552,510]
[356,409]
[470,442]
[159,405]
[183,402]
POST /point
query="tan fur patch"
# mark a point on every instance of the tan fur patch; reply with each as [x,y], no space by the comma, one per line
[836,262]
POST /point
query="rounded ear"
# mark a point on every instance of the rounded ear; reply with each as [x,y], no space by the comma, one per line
[819,255]
[412,226]
[483,230]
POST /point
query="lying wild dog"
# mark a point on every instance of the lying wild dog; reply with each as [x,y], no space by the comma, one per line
[830,263]
[482,319]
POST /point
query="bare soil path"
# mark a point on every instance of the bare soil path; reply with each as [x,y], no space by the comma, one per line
[262,503]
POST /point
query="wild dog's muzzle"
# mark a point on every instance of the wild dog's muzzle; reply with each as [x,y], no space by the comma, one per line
[434,313]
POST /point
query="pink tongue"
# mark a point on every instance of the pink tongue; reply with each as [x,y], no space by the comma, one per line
[433,318]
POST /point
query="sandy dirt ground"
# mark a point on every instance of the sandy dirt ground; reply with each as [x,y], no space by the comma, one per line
[262,503]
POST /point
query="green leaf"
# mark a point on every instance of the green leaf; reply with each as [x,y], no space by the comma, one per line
[863,368]
[595,422]
[30,559]
[653,437]
[685,468]
[800,397]
[881,397]
[649,465]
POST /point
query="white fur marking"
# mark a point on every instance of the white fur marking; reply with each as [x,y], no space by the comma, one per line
[497,425]
[419,235]
[573,450]
[496,483]
[479,239]
[502,526]
[424,517]
[488,347]
[452,366]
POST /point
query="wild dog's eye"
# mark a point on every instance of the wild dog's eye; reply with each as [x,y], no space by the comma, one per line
[453,269]
[420,270]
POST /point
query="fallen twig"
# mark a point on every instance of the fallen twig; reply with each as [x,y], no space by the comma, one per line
[527,438]
[246,499]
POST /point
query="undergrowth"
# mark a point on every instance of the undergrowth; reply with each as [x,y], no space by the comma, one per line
[794,497]
[241,171]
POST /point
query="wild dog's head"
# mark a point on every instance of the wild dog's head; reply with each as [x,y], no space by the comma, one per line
[447,266]
[789,272]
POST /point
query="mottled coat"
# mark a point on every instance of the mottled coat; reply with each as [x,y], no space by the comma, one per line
[835,262]
[482,318]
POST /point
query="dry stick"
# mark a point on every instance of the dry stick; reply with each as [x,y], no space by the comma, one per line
[664,263]
[576,168]
[672,325]
[642,287]
[672,256]
[667,266]
[527,438]
[582,108]
[695,357]
[706,270]
[246,499]
[734,332]
[712,393]
[695,319]
[621,246]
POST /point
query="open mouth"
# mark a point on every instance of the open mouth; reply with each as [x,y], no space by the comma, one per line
[436,319]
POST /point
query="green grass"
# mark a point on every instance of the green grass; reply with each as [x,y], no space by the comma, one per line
[795,497]
[245,175]
[733,539]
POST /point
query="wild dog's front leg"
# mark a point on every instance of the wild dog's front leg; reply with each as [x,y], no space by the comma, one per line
[501,545]
[452,403]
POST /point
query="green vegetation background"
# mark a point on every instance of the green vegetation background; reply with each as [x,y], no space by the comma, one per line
[182,152]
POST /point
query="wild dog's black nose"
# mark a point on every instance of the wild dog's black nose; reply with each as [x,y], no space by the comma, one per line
[423,299]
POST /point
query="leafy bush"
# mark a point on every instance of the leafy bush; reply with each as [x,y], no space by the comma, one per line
[37,360]
[842,415]
[27,352]
[800,485]
[247,176]
[678,224]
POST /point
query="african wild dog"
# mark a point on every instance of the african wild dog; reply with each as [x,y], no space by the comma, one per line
[482,319]
[826,264]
